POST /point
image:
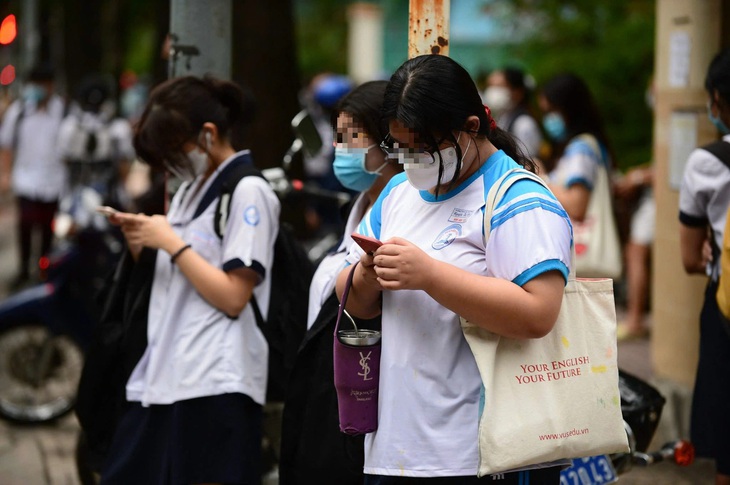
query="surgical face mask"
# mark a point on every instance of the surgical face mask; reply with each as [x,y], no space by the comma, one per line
[350,168]
[554,126]
[498,99]
[719,124]
[197,160]
[34,93]
[422,169]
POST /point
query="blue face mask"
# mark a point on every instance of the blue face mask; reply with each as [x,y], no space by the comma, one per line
[350,168]
[721,127]
[34,93]
[554,126]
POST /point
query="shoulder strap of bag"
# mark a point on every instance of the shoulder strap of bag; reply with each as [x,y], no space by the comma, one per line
[497,191]
[343,301]
[720,149]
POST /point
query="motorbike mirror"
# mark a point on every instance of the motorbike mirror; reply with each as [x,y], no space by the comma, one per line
[306,131]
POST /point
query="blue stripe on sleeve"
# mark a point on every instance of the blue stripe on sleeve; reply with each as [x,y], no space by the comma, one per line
[526,205]
[540,268]
[579,180]
[375,212]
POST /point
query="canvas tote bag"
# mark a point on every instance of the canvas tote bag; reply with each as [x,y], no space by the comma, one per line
[597,245]
[551,398]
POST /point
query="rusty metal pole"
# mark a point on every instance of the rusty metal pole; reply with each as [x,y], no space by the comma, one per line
[428,27]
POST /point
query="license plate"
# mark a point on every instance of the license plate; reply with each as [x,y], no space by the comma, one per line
[589,471]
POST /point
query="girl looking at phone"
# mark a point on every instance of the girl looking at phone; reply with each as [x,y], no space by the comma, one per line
[434,267]
[196,395]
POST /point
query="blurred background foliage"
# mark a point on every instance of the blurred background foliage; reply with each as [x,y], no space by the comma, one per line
[610,43]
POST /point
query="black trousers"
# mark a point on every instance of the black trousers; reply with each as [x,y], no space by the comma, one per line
[34,215]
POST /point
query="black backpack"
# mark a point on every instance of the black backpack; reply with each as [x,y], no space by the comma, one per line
[286,322]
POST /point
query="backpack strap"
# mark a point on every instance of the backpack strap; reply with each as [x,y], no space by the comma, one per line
[719,149]
[222,189]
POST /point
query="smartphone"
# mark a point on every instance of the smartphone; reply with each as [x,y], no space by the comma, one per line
[369,244]
[106,210]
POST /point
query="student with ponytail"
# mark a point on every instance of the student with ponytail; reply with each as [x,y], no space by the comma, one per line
[435,266]
[196,395]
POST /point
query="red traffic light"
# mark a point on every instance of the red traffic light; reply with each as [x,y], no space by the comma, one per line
[7,75]
[8,30]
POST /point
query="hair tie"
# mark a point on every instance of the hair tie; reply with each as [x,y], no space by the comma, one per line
[492,123]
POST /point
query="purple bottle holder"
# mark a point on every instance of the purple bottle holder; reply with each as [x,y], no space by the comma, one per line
[357,373]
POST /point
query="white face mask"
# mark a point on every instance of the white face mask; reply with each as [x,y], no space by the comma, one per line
[198,158]
[422,169]
[198,161]
[498,99]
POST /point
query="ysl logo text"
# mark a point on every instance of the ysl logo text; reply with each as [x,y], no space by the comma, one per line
[365,366]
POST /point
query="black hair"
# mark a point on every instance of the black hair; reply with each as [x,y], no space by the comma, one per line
[178,108]
[517,79]
[433,95]
[92,92]
[569,94]
[364,104]
[718,76]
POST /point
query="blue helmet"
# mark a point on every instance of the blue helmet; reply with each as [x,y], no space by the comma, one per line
[331,88]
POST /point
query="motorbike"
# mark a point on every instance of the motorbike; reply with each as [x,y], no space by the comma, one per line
[641,408]
[45,328]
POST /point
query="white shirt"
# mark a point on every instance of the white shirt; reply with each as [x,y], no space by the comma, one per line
[116,144]
[38,170]
[525,129]
[193,349]
[428,408]
[704,195]
[578,165]
[325,277]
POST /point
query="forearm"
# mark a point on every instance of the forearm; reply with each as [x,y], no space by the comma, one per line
[6,162]
[691,242]
[229,292]
[363,300]
[498,305]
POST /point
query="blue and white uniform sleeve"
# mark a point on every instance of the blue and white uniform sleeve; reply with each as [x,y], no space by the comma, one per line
[253,223]
[704,175]
[531,234]
[578,165]
[8,127]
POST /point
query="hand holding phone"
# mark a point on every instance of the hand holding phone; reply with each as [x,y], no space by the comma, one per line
[367,243]
[106,210]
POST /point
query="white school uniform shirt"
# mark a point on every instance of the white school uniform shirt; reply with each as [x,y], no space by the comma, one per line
[194,349]
[429,395]
[325,276]
[578,165]
[704,197]
[38,171]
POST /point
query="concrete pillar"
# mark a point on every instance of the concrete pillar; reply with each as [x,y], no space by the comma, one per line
[201,38]
[364,42]
[428,27]
[688,35]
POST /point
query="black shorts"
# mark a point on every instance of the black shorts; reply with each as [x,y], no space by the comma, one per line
[214,439]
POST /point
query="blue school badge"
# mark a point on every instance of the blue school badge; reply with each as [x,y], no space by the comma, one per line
[446,236]
[251,215]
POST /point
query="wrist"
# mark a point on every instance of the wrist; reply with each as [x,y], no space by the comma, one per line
[173,244]
[174,256]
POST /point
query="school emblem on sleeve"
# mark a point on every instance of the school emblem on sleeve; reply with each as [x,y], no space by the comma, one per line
[251,215]
[446,236]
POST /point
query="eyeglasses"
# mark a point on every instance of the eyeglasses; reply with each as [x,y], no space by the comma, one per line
[393,148]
